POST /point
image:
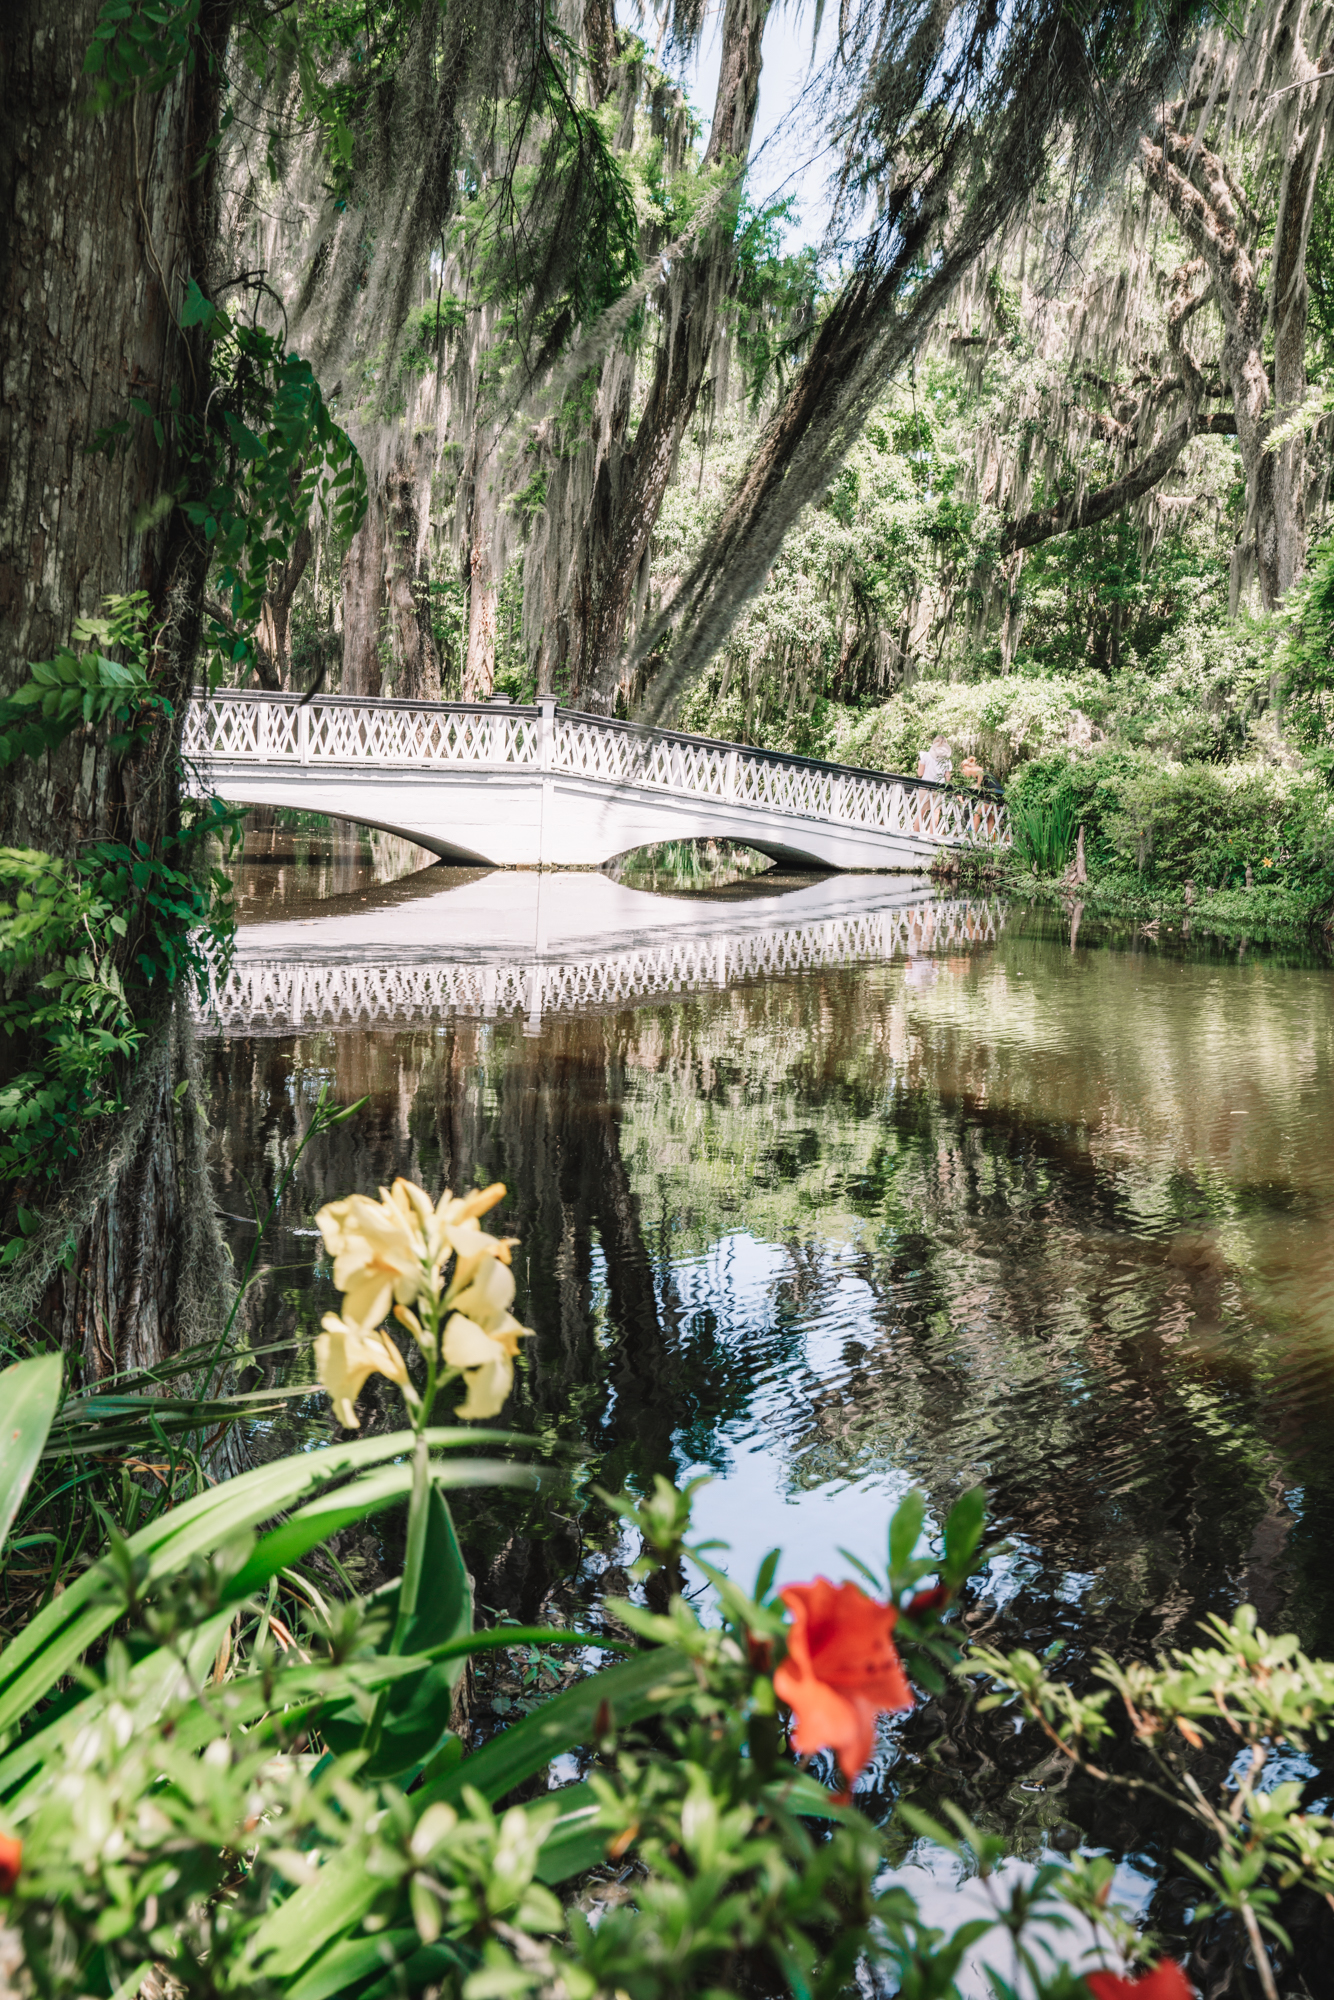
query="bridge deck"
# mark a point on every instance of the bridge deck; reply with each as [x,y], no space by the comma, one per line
[539,786]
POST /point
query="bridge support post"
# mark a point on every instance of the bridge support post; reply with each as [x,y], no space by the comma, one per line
[546,757]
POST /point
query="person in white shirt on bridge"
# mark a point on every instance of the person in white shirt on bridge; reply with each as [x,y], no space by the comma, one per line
[936,763]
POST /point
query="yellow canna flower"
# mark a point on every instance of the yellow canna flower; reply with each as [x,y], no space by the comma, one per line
[345,1354]
[482,1338]
[389,1251]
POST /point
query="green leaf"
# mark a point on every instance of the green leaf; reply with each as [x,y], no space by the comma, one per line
[347,1963]
[417,1714]
[197,310]
[963,1532]
[575,1843]
[29,1399]
[905,1531]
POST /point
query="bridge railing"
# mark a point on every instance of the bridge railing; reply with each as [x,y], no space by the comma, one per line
[281,728]
[254,727]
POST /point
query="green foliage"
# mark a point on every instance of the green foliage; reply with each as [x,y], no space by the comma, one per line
[139,45]
[186,1807]
[1306,661]
[1242,1702]
[65,930]
[267,451]
[84,943]
[84,688]
[773,299]
[1193,822]
[1002,722]
[1043,831]
[31,1397]
[555,242]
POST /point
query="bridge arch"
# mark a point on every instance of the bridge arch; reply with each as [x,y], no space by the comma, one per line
[252,791]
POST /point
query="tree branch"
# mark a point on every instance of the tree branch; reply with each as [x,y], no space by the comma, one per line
[1044,523]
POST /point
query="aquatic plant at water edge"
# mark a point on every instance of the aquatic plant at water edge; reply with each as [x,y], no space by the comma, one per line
[1042,832]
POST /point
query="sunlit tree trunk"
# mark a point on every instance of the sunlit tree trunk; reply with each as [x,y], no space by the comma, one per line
[275,618]
[479,668]
[1214,214]
[106,220]
[363,605]
[416,667]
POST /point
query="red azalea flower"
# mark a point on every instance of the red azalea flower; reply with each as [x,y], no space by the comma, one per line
[11,1857]
[841,1670]
[1166,1982]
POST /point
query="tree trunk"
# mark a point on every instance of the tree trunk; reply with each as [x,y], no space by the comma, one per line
[416,667]
[479,671]
[1193,183]
[363,605]
[274,650]
[107,219]
[1085,510]
[1204,197]
[1304,155]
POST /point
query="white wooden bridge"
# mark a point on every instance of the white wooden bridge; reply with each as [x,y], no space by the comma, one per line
[538,945]
[545,787]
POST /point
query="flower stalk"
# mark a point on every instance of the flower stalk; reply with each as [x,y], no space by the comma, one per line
[396,1254]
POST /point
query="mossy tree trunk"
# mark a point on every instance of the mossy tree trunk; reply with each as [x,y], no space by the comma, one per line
[108,217]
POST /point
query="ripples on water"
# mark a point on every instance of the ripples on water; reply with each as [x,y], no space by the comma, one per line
[1055,1219]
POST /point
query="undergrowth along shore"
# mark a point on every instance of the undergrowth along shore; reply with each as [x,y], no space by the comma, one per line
[1264,914]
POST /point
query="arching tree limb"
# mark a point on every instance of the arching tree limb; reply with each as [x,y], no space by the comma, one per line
[1044,523]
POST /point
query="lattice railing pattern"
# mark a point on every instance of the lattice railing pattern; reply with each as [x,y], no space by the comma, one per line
[263,997]
[281,729]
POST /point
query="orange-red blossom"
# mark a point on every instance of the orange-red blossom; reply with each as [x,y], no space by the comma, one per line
[11,1860]
[841,1670]
[1166,1982]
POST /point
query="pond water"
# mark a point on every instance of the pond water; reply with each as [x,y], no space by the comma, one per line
[832,1187]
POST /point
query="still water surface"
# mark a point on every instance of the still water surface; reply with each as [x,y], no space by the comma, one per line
[886,1193]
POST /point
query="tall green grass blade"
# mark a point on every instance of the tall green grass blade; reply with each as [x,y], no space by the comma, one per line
[29,1399]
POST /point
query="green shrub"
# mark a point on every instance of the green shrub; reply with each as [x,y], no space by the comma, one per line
[1175,823]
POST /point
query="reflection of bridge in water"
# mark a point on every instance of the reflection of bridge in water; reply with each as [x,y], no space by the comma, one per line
[569,943]
[541,786]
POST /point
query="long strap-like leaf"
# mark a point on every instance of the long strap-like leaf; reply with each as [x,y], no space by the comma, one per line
[29,1399]
[50,1645]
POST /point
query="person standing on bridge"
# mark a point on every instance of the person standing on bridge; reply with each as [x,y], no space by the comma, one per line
[935,764]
